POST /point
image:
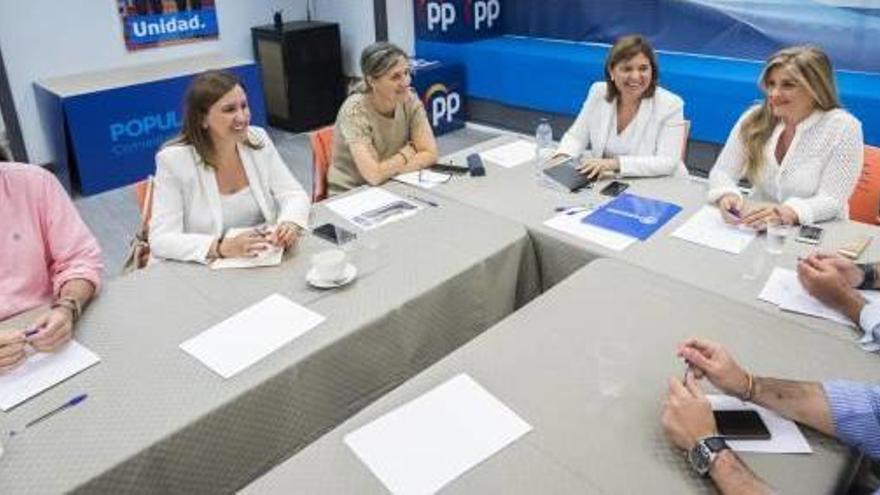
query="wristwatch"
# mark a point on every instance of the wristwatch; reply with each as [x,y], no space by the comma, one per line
[870,276]
[703,454]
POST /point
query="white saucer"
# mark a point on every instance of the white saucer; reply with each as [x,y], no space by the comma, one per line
[349,274]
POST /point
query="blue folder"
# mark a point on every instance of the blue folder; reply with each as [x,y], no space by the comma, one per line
[633,215]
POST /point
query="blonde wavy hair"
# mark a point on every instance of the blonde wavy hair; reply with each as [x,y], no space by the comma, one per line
[811,68]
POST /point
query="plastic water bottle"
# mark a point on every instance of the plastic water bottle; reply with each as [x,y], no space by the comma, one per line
[543,146]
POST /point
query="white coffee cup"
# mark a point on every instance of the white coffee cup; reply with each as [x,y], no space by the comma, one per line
[329,265]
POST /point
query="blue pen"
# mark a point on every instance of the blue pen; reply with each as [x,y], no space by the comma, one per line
[735,212]
[32,332]
[72,402]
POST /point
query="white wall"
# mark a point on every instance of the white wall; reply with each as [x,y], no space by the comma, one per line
[49,38]
[401,27]
[356,26]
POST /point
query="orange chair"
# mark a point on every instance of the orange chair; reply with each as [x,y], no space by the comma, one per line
[143,192]
[139,249]
[864,204]
[322,149]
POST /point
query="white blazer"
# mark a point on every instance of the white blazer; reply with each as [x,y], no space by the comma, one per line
[656,139]
[187,216]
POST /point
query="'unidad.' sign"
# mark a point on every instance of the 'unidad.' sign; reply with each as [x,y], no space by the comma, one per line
[147,24]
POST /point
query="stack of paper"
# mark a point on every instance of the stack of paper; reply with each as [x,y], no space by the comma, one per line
[707,228]
[785,290]
[373,207]
[43,370]
[511,154]
[785,436]
[270,257]
[572,224]
[425,444]
[250,335]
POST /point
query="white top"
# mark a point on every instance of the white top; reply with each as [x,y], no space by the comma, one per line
[817,174]
[187,213]
[651,144]
[240,209]
[618,144]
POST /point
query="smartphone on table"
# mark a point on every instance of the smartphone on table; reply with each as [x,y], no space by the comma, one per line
[334,234]
[741,424]
[614,188]
[810,234]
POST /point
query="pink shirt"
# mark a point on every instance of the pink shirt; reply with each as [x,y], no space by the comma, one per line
[43,241]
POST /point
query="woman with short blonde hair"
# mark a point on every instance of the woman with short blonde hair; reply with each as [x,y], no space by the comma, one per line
[799,149]
[382,129]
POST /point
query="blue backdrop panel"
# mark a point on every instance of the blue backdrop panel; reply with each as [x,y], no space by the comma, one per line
[114,134]
[441,88]
[553,76]
[457,20]
[751,29]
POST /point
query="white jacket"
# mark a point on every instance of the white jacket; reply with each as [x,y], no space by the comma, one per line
[657,137]
[187,216]
[817,174]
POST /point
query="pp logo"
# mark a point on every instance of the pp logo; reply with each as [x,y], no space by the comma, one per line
[444,104]
[442,13]
[486,12]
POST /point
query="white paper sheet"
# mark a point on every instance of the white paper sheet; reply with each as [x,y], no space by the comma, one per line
[251,334]
[785,436]
[373,207]
[572,225]
[425,444]
[785,290]
[707,228]
[269,257]
[431,179]
[43,370]
[511,154]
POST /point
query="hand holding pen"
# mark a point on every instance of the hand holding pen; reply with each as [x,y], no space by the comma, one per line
[731,206]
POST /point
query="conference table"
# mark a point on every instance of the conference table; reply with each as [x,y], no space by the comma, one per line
[515,193]
[586,365]
[157,420]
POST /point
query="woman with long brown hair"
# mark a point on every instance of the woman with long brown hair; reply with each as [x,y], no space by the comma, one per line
[222,173]
[801,152]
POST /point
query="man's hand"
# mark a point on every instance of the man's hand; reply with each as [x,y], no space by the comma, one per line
[711,360]
[850,271]
[831,286]
[54,329]
[687,414]
[13,350]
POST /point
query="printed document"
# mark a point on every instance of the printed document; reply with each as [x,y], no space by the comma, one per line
[373,207]
[571,223]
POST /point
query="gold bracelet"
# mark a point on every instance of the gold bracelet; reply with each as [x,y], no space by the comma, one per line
[750,392]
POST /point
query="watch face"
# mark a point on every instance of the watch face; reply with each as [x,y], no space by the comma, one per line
[699,458]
